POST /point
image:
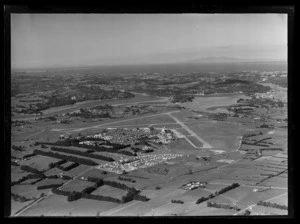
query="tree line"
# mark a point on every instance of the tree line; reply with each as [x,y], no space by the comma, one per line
[75,142]
[83,161]
[272,205]
[48,186]
[29,176]
[85,154]
[223,190]
[132,193]
[215,205]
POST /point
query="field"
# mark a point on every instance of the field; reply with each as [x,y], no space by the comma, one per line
[41,162]
[156,119]
[182,146]
[28,191]
[56,205]
[109,191]
[205,102]
[224,136]
[220,165]
[195,141]
[97,174]
[77,185]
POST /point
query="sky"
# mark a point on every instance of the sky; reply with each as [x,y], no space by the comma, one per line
[58,40]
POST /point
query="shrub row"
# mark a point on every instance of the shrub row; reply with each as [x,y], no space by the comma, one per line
[126,179]
[272,149]
[38,180]
[215,205]
[20,198]
[29,176]
[29,155]
[18,148]
[58,163]
[177,201]
[85,154]
[65,157]
[228,188]
[223,190]
[115,148]
[48,186]
[272,205]
[75,142]
[132,193]
[30,169]
[13,163]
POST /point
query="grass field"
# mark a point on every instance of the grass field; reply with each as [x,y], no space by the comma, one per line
[194,140]
[225,136]
[147,120]
[109,191]
[29,191]
[182,146]
[203,103]
[56,205]
[97,174]
[77,185]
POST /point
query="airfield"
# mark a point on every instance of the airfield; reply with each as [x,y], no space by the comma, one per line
[260,179]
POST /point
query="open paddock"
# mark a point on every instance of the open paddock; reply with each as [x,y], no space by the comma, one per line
[155,119]
[203,210]
[225,136]
[222,199]
[28,191]
[198,193]
[97,173]
[195,141]
[56,205]
[255,197]
[75,171]
[181,145]
[170,126]
[17,205]
[183,131]
[262,210]
[276,182]
[106,190]
[77,185]
[50,182]
[17,173]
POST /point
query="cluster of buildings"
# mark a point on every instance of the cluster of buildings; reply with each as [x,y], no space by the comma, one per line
[193,185]
[127,165]
[127,136]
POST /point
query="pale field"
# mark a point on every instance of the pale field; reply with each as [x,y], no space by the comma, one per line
[204,102]
[106,190]
[77,185]
[55,205]
[29,191]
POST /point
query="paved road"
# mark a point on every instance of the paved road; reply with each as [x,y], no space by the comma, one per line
[205,143]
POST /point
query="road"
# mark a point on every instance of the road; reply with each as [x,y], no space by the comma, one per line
[192,133]
[100,125]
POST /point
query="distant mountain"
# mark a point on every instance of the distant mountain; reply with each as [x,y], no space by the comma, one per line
[230,59]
